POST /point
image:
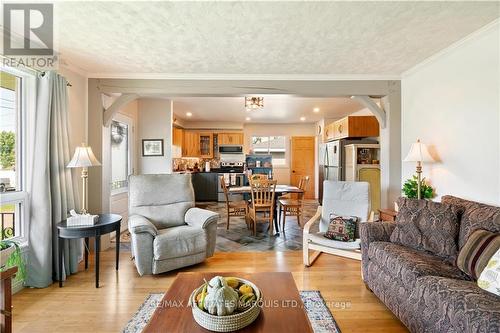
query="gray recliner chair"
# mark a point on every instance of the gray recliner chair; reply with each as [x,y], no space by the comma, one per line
[168,232]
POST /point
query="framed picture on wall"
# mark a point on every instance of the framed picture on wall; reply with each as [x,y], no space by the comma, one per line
[152,147]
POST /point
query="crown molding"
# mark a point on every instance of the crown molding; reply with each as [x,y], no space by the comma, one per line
[267,77]
[492,25]
[73,68]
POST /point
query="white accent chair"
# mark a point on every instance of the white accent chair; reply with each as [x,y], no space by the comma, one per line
[340,198]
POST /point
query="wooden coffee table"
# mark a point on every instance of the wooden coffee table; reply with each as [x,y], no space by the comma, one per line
[283,310]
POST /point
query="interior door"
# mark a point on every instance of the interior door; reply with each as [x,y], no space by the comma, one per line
[303,162]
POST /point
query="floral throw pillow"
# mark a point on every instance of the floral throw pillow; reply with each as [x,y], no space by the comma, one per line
[342,228]
[489,279]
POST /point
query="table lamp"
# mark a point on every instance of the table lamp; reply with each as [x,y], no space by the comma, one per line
[83,158]
[419,153]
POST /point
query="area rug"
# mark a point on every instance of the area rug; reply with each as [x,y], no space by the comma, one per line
[319,315]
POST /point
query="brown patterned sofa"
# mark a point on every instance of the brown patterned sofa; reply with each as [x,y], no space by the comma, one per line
[427,293]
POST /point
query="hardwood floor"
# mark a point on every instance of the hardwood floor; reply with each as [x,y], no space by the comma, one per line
[80,307]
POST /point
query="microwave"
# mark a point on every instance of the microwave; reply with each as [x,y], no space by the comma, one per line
[231,149]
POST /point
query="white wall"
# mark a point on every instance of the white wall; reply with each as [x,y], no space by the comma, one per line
[155,122]
[451,102]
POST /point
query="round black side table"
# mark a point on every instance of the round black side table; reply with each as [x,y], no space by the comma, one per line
[105,224]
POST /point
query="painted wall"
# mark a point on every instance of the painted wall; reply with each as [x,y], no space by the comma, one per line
[155,122]
[451,102]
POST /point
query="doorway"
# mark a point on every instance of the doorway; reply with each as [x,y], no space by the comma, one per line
[122,152]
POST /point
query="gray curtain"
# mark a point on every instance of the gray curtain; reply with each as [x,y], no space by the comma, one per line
[52,191]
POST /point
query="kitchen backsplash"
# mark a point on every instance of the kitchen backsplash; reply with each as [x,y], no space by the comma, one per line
[187,163]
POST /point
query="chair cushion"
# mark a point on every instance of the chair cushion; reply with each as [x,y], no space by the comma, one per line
[477,251]
[407,264]
[460,303]
[179,242]
[476,216]
[319,238]
[428,226]
[162,199]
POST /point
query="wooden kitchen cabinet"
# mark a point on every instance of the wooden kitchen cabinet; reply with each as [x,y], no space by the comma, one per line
[191,144]
[329,130]
[230,139]
[206,145]
[178,136]
[353,127]
[341,128]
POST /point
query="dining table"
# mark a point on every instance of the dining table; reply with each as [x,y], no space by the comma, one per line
[279,191]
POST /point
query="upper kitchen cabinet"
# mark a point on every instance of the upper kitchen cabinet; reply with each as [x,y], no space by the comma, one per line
[178,136]
[191,144]
[230,139]
[206,145]
[353,127]
[177,140]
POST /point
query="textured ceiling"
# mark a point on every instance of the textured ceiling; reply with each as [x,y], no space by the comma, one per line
[277,109]
[380,38]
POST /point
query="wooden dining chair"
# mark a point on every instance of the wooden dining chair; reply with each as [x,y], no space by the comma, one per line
[234,208]
[293,207]
[262,193]
[259,176]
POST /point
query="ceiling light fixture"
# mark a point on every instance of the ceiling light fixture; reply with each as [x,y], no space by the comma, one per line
[248,118]
[254,103]
[189,114]
[302,118]
[316,110]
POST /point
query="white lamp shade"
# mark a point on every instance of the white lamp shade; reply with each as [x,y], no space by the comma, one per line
[83,158]
[418,153]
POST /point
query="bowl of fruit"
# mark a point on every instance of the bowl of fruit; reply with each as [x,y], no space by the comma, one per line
[225,304]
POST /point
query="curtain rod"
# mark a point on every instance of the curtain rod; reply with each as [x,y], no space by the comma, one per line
[41,73]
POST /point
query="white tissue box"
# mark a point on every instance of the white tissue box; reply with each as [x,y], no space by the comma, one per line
[81,220]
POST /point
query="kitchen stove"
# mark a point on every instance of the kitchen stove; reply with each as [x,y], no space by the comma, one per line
[232,173]
[231,167]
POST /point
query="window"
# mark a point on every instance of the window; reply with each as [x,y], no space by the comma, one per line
[120,154]
[273,145]
[13,206]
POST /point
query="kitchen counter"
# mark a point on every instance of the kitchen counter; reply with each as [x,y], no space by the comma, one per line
[206,184]
[211,171]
